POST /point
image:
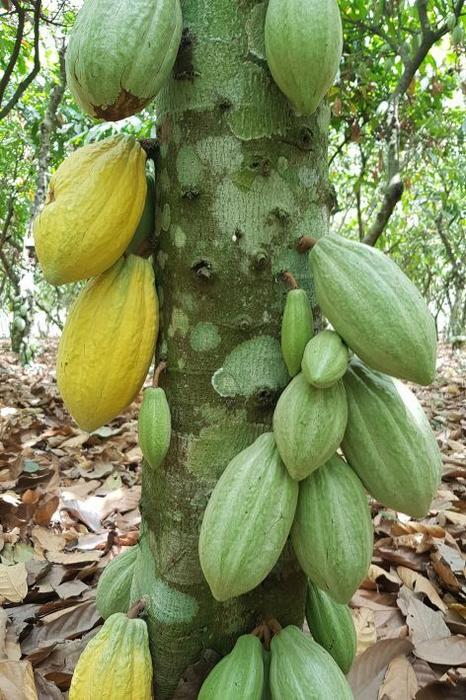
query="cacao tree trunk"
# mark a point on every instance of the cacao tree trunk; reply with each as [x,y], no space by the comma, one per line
[239,180]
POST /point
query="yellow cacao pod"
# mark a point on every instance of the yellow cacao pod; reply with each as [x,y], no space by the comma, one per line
[108,342]
[116,664]
[93,207]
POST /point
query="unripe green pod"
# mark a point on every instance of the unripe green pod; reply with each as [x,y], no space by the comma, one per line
[325,359]
[297,329]
[154,426]
[240,674]
[146,227]
[332,626]
[113,588]
[302,670]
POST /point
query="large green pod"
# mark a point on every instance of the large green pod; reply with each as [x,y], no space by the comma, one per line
[332,532]
[121,53]
[113,588]
[389,442]
[239,675]
[331,624]
[297,328]
[247,520]
[308,424]
[302,670]
[375,308]
[303,45]
[154,426]
[325,359]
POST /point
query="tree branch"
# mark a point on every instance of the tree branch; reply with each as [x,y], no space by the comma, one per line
[24,84]
[15,52]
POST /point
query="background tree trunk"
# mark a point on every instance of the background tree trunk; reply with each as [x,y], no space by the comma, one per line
[24,306]
[239,180]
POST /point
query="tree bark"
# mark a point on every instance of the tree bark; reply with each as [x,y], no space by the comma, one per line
[239,180]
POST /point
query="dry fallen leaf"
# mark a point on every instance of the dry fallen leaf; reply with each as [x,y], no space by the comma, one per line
[17,681]
[13,582]
[364,624]
[400,682]
[369,669]
[420,584]
[450,651]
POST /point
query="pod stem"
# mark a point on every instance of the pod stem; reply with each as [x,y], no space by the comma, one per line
[150,146]
[136,609]
[273,625]
[306,243]
[157,372]
[290,280]
[262,631]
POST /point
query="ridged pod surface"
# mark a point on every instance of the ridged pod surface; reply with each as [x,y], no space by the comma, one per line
[389,442]
[332,532]
[108,342]
[332,626]
[116,664]
[302,670]
[93,206]
[297,329]
[303,44]
[154,426]
[325,359]
[113,588]
[240,674]
[143,236]
[308,424]
[241,536]
[375,308]
[121,53]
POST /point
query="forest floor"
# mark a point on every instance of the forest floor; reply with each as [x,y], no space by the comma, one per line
[69,504]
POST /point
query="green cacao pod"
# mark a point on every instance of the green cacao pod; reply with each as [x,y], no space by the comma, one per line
[297,328]
[325,359]
[389,442]
[331,625]
[303,44]
[301,669]
[144,233]
[332,532]
[241,536]
[308,424]
[375,308]
[267,657]
[154,426]
[113,588]
[121,53]
[240,674]
[116,664]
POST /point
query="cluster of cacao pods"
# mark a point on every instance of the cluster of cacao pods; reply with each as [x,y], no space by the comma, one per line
[295,668]
[345,392]
[99,210]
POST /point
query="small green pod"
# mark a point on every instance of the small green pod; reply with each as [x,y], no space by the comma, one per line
[240,674]
[154,426]
[325,359]
[302,670]
[332,626]
[146,227]
[113,588]
[297,329]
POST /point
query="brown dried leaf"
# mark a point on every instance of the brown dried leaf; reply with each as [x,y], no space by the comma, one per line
[364,623]
[420,584]
[13,582]
[17,681]
[450,651]
[369,669]
[423,622]
[443,690]
[400,681]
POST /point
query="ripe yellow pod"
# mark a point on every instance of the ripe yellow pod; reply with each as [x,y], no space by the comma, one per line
[93,207]
[108,342]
